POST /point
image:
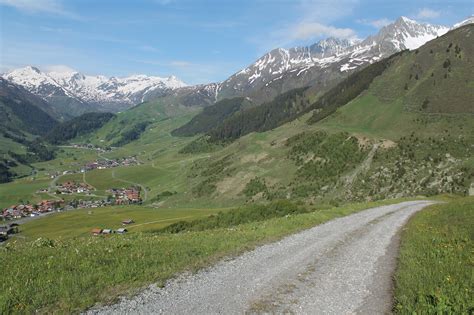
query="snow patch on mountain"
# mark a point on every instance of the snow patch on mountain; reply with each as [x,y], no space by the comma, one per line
[92,89]
[469,20]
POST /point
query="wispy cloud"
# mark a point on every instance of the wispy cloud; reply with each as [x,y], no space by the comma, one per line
[379,23]
[309,30]
[57,68]
[315,20]
[40,6]
[426,14]
[148,48]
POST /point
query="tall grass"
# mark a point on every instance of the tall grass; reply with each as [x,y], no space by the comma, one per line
[436,263]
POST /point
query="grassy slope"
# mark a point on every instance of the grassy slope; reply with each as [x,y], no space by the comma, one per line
[436,261]
[123,263]
[393,105]
[80,222]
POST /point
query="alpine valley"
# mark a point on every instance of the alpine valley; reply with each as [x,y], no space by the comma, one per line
[300,132]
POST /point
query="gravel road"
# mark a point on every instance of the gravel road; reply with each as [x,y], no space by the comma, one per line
[341,267]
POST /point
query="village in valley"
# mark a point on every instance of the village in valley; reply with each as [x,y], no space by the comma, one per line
[118,196]
[73,194]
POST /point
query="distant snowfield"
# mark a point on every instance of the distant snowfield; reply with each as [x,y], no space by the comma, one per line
[87,88]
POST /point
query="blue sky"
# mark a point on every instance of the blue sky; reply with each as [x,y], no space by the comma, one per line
[198,41]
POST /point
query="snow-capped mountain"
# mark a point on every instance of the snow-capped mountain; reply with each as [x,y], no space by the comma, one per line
[320,65]
[98,90]
[469,20]
[327,60]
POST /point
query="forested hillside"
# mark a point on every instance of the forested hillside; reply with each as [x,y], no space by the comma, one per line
[21,110]
[22,120]
[78,126]
[212,116]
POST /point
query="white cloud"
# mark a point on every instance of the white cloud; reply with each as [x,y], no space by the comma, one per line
[426,13]
[39,6]
[309,30]
[315,19]
[376,23]
[58,68]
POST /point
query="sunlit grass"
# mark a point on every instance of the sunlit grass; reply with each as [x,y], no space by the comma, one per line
[436,263]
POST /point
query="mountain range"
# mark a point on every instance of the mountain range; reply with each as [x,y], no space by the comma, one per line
[81,93]
[321,66]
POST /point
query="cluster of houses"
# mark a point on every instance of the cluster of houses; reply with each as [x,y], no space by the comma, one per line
[109,163]
[91,146]
[82,204]
[98,231]
[7,230]
[71,187]
[27,210]
[126,196]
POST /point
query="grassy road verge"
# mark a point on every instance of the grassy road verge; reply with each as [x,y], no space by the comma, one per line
[435,273]
[69,275]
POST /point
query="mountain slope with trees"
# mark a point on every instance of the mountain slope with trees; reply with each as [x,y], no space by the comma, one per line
[77,126]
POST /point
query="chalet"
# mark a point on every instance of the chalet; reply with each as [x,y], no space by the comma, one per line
[122,231]
[127,222]
[107,231]
[3,231]
[96,231]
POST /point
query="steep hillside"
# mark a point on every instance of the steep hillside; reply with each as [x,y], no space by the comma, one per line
[325,62]
[22,119]
[371,137]
[283,108]
[436,78]
[426,91]
[128,126]
[23,111]
[212,116]
[77,126]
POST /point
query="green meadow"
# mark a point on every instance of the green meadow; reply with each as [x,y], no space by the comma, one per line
[80,222]
[436,262]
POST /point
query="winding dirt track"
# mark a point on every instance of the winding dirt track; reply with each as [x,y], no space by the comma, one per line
[341,267]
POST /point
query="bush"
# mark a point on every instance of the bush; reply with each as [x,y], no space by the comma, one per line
[238,216]
[255,186]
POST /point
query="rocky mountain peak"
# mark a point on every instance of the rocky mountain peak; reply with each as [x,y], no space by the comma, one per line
[91,89]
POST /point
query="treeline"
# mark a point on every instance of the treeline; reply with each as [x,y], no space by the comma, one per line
[212,116]
[6,175]
[77,126]
[280,110]
[289,106]
[131,134]
[37,151]
[349,89]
